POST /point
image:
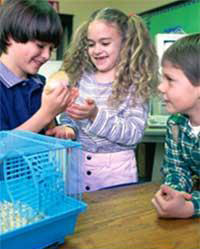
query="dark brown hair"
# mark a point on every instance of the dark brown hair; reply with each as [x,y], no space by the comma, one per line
[185,55]
[28,20]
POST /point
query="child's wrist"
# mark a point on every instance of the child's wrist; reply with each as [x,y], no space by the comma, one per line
[45,116]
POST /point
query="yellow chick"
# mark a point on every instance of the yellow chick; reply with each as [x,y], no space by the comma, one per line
[55,80]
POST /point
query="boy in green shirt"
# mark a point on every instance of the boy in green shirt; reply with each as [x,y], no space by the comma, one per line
[179,196]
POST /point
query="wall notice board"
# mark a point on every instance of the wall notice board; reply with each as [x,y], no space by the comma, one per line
[174,18]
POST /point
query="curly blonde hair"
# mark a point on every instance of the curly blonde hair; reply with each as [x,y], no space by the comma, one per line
[138,64]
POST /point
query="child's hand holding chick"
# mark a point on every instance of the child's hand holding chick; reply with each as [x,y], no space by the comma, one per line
[54,81]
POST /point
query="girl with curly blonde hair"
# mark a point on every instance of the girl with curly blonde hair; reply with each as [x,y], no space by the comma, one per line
[113,64]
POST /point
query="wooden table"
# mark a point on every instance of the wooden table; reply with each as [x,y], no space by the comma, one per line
[124,218]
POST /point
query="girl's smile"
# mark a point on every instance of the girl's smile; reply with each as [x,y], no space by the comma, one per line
[104,44]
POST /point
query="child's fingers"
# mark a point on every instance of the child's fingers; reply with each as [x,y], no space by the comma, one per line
[165,189]
[187,196]
[69,132]
[59,92]
[74,93]
[90,101]
[157,206]
[167,192]
[50,132]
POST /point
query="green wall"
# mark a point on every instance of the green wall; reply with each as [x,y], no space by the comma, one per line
[185,15]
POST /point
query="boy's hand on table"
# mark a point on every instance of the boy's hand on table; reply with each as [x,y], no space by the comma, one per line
[170,203]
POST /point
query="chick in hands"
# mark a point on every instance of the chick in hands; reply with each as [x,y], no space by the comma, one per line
[54,81]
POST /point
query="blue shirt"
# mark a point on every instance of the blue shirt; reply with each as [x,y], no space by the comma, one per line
[19,99]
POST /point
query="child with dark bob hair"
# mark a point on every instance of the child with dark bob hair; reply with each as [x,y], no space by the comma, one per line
[29,31]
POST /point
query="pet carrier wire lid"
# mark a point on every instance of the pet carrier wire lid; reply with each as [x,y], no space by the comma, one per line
[33,159]
[39,189]
[26,142]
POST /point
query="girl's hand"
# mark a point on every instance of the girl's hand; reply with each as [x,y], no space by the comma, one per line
[74,93]
[170,203]
[61,132]
[88,110]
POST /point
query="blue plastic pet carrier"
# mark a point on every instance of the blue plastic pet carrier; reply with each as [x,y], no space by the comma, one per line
[40,196]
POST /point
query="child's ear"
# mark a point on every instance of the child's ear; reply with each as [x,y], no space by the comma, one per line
[10,40]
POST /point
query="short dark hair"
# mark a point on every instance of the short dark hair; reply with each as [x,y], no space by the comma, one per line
[29,20]
[185,54]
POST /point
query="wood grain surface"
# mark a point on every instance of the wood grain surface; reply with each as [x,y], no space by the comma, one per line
[124,218]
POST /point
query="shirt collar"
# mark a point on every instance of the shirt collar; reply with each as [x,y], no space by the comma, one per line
[9,79]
